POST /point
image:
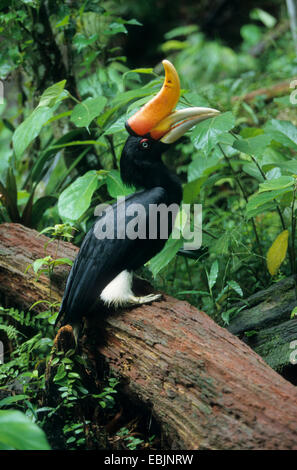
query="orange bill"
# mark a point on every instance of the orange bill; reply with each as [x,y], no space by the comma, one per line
[160,106]
[158,118]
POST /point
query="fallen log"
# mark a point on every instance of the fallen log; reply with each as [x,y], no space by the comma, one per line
[205,387]
[276,345]
[266,308]
[267,327]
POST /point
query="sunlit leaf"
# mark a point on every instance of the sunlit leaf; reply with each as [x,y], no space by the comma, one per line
[236,287]
[209,132]
[84,113]
[212,276]
[276,184]
[30,128]
[115,185]
[161,260]
[259,200]
[277,252]
[283,132]
[53,94]
[76,199]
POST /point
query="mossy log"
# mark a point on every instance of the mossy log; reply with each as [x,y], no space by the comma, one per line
[266,308]
[267,327]
[205,387]
[278,346]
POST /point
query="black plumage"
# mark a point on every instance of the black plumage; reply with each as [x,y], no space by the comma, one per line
[99,261]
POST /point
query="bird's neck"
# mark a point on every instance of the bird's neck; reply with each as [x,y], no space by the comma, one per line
[153,175]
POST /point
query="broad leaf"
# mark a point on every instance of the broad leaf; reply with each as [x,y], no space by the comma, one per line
[84,113]
[276,184]
[253,145]
[12,399]
[30,128]
[211,131]
[236,287]
[212,276]
[277,252]
[161,260]
[117,126]
[283,132]
[259,200]
[20,433]
[202,166]
[53,94]
[76,199]
[115,185]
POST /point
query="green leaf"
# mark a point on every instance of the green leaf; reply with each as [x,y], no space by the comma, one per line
[275,184]
[115,185]
[117,126]
[192,189]
[30,128]
[294,313]
[63,22]
[76,199]
[254,145]
[140,70]
[80,41]
[53,94]
[289,166]
[283,132]
[158,262]
[13,399]
[38,263]
[212,276]
[181,31]
[115,28]
[18,432]
[210,132]
[59,261]
[235,286]
[258,201]
[61,373]
[203,166]
[84,113]
[258,14]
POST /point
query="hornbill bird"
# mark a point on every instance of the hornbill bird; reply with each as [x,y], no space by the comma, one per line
[103,268]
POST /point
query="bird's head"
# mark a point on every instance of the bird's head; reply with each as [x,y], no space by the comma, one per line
[153,127]
[158,121]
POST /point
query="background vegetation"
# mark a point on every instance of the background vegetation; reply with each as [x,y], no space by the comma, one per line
[72,73]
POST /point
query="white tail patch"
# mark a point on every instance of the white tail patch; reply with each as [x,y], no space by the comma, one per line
[119,290]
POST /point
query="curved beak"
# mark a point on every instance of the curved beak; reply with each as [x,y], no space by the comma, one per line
[158,118]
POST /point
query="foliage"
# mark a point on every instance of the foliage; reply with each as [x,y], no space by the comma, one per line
[62,132]
[17,432]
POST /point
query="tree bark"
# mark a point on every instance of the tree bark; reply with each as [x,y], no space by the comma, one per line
[205,387]
[267,327]
[266,308]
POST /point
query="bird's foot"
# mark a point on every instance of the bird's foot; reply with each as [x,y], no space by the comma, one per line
[146,299]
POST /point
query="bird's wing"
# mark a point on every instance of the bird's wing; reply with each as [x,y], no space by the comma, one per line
[99,261]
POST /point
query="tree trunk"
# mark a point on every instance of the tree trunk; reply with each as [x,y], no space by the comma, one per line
[205,387]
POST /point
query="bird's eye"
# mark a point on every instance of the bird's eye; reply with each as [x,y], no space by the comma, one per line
[144,143]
